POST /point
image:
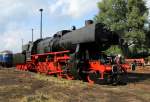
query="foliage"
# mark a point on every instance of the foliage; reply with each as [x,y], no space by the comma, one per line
[113,14]
[126,17]
[114,50]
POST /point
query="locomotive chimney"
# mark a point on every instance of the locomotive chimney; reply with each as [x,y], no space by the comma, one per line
[88,22]
[73,28]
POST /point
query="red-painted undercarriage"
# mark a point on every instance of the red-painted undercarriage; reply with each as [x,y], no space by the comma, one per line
[57,63]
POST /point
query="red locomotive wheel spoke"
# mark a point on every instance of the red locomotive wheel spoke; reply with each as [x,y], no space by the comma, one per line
[39,68]
[21,67]
[92,77]
[25,68]
[59,75]
[69,77]
[18,67]
[89,79]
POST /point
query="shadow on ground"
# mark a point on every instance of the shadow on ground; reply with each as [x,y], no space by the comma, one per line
[138,77]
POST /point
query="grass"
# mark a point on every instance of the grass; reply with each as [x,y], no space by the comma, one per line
[39,97]
[61,81]
[32,87]
[60,90]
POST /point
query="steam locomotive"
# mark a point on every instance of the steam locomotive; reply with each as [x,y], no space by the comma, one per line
[75,54]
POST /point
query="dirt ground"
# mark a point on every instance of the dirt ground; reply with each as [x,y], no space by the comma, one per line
[19,86]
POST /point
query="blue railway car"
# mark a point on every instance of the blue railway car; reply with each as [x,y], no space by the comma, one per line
[1,59]
[6,58]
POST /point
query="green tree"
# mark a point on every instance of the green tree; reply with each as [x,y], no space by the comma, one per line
[126,17]
[113,14]
[137,16]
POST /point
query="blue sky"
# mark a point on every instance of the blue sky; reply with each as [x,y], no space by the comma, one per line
[18,17]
